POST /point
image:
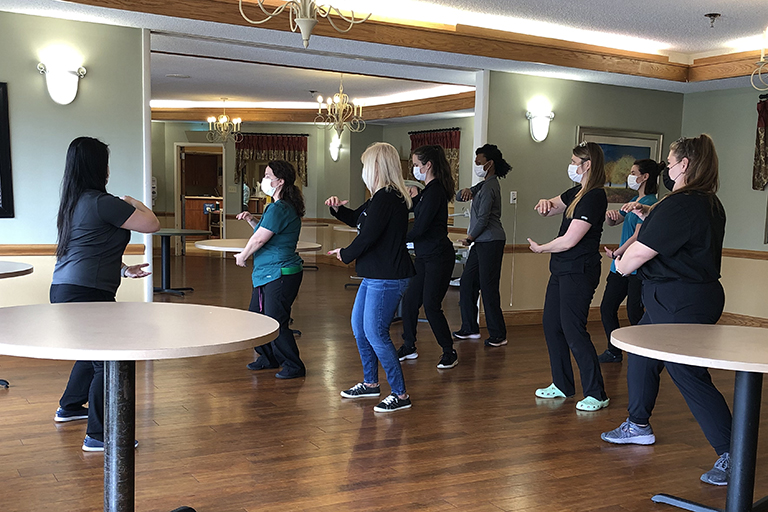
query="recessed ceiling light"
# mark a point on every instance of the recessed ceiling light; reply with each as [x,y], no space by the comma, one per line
[176,75]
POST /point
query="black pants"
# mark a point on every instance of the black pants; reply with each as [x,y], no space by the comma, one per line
[566,309]
[86,380]
[482,273]
[681,303]
[617,288]
[428,286]
[275,300]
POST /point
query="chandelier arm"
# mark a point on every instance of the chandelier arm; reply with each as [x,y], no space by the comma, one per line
[759,73]
[326,13]
[269,15]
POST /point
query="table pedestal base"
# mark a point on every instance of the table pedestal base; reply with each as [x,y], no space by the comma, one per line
[747,393]
[4,383]
[165,277]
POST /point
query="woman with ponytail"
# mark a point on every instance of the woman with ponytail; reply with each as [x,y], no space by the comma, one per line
[575,268]
[482,271]
[277,268]
[644,177]
[678,254]
[434,254]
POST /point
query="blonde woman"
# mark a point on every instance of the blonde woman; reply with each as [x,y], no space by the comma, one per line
[383,262]
[575,268]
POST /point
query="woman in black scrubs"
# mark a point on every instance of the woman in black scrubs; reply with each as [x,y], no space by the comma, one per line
[678,253]
[434,254]
[575,267]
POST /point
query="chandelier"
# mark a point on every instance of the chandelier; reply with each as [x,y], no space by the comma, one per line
[340,113]
[303,15]
[223,128]
[761,71]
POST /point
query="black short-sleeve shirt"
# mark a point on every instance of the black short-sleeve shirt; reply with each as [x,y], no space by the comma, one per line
[687,230]
[590,208]
[94,255]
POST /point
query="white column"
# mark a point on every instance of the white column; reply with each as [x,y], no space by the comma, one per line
[482,88]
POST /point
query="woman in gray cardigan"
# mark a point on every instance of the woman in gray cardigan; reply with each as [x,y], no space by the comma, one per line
[482,272]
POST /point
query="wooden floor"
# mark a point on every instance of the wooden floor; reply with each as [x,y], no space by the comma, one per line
[220,438]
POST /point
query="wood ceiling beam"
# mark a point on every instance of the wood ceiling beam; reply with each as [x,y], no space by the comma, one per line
[724,66]
[461,39]
[450,103]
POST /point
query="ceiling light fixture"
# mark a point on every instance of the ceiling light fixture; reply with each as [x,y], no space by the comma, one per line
[224,129]
[303,15]
[712,17]
[340,113]
[761,72]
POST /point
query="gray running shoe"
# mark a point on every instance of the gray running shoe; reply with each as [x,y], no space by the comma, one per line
[629,433]
[720,473]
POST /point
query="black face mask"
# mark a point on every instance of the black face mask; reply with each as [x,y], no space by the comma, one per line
[669,183]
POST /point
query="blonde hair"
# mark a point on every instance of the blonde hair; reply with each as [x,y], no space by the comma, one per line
[381,169]
[594,153]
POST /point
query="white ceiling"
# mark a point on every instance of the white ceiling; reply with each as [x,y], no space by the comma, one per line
[239,62]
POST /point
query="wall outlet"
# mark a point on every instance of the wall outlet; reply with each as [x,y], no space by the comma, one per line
[513,197]
[232,189]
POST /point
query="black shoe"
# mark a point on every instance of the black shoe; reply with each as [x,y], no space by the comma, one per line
[448,360]
[393,403]
[262,363]
[404,353]
[289,374]
[609,357]
[360,390]
[495,342]
[464,335]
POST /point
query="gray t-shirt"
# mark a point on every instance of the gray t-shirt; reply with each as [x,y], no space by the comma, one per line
[95,252]
[485,219]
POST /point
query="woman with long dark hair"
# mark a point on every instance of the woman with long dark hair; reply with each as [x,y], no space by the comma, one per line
[277,268]
[434,254]
[644,178]
[385,266]
[482,271]
[575,268]
[678,254]
[94,229]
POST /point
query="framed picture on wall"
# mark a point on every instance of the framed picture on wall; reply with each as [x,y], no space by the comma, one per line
[6,185]
[621,149]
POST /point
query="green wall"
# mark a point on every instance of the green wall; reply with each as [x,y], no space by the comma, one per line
[730,118]
[109,105]
[539,169]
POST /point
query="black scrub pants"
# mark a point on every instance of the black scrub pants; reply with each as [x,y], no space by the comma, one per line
[617,287]
[675,302]
[482,273]
[275,300]
[566,309]
[86,380]
[428,287]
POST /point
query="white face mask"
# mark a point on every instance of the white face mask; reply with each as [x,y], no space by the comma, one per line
[632,182]
[421,176]
[267,188]
[480,171]
[575,176]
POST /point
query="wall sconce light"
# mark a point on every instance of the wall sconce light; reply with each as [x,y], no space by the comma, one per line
[63,70]
[334,147]
[539,115]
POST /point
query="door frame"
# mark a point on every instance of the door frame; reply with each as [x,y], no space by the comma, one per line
[179,248]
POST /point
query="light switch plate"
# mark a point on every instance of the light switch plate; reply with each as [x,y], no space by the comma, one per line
[232,189]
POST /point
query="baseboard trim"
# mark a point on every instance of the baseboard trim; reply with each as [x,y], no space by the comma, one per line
[736,319]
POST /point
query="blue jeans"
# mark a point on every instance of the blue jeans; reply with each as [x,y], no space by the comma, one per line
[374,308]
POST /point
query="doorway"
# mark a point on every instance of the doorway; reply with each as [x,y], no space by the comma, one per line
[199,190]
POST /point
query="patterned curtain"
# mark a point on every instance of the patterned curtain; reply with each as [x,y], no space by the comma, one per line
[449,138]
[265,147]
[760,171]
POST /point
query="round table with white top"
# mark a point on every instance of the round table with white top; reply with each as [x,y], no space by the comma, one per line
[165,235]
[727,347]
[13,269]
[238,244]
[121,333]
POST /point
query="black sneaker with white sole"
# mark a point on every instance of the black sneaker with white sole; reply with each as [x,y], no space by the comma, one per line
[405,352]
[448,360]
[465,335]
[360,390]
[495,342]
[393,403]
